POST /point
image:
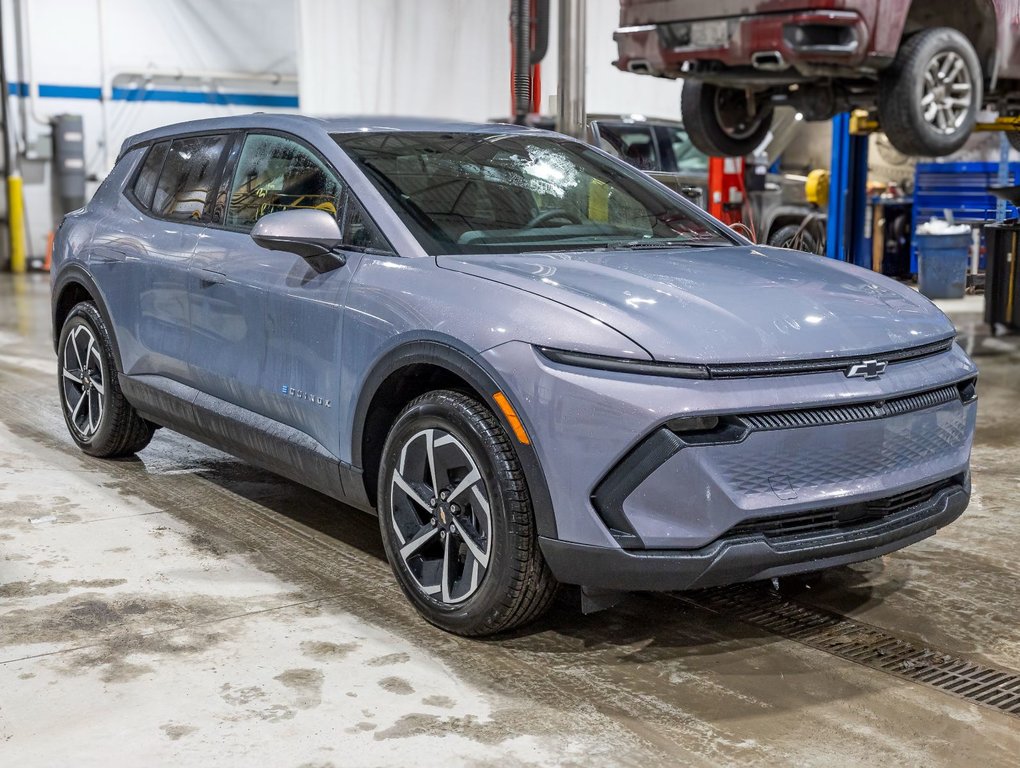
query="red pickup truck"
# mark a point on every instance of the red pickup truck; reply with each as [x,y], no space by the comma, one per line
[928,66]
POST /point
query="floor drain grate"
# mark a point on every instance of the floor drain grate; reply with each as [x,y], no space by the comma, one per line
[864,644]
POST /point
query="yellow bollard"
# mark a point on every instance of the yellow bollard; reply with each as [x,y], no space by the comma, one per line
[16,224]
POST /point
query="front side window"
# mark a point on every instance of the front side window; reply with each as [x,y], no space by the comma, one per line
[277,174]
[464,193]
[188,177]
[145,183]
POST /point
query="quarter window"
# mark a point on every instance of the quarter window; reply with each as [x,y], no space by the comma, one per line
[188,176]
[145,184]
[276,174]
[360,232]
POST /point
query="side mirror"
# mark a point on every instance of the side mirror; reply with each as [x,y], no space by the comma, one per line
[305,232]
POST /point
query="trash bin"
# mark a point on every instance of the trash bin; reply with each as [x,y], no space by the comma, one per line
[942,265]
[1002,278]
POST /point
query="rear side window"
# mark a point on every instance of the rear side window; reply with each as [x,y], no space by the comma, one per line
[276,174]
[145,183]
[188,177]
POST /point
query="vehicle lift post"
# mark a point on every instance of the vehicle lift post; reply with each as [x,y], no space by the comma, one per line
[846,238]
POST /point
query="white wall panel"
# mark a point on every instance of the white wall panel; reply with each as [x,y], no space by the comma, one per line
[439,58]
[448,58]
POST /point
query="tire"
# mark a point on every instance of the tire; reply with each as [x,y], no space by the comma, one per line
[791,236]
[101,422]
[1014,139]
[939,127]
[704,107]
[469,571]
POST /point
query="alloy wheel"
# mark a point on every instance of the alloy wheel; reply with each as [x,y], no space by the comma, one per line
[440,511]
[947,92]
[83,381]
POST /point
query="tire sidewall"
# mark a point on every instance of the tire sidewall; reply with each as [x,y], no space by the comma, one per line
[85,314]
[697,107]
[477,609]
[904,86]
[786,235]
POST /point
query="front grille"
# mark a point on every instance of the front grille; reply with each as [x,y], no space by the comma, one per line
[790,367]
[842,414]
[838,518]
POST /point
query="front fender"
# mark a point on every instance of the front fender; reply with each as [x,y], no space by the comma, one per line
[452,355]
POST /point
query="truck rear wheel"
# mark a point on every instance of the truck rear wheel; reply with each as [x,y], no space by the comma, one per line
[720,121]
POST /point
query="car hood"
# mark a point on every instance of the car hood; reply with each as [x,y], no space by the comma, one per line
[725,304]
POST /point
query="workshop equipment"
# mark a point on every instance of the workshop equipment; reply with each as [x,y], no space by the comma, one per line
[1002,277]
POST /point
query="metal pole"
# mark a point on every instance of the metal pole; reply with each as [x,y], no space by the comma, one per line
[570,112]
[12,176]
[1002,178]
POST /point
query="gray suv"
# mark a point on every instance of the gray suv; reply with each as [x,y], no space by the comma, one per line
[534,364]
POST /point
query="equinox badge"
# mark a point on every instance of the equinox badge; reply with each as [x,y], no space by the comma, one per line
[868,369]
[302,395]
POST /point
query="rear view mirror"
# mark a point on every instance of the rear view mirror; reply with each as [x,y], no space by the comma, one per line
[305,232]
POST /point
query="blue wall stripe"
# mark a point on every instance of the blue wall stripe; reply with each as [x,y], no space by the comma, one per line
[51,91]
[47,91]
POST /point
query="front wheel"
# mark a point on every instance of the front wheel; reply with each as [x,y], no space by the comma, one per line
[723,122]
[929,98]
[456,518]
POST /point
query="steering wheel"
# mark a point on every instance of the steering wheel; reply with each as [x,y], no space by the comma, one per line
[553,214]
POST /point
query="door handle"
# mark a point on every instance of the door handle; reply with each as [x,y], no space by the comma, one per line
[208,278]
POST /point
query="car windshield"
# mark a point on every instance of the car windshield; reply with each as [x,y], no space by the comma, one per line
[470,193]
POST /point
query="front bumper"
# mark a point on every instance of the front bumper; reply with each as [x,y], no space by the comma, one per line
[674,518]
[799,42]
[750,557]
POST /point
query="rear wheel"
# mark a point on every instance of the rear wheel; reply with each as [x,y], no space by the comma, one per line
[722,122]
[929,98]
[100,420]
[456,518]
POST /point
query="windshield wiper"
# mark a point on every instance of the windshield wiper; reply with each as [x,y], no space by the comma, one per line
[692,243]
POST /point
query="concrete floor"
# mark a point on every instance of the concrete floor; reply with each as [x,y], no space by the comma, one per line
[184,608]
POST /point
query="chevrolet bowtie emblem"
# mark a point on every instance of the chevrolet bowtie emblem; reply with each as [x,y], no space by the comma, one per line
[867,369]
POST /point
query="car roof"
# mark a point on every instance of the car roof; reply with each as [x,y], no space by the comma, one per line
[303,124]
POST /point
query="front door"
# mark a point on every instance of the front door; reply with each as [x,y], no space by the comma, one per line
[267,323]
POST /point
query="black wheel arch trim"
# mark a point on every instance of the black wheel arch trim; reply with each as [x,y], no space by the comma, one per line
[77,274]
[449,353]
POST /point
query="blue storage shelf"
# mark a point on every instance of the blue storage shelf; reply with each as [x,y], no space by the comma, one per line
[961,188]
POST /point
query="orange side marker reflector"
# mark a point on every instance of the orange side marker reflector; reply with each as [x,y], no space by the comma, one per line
[512,417]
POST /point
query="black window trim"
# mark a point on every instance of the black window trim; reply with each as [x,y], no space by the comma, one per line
[129,188]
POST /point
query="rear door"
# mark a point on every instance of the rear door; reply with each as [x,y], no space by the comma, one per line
[149,256]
